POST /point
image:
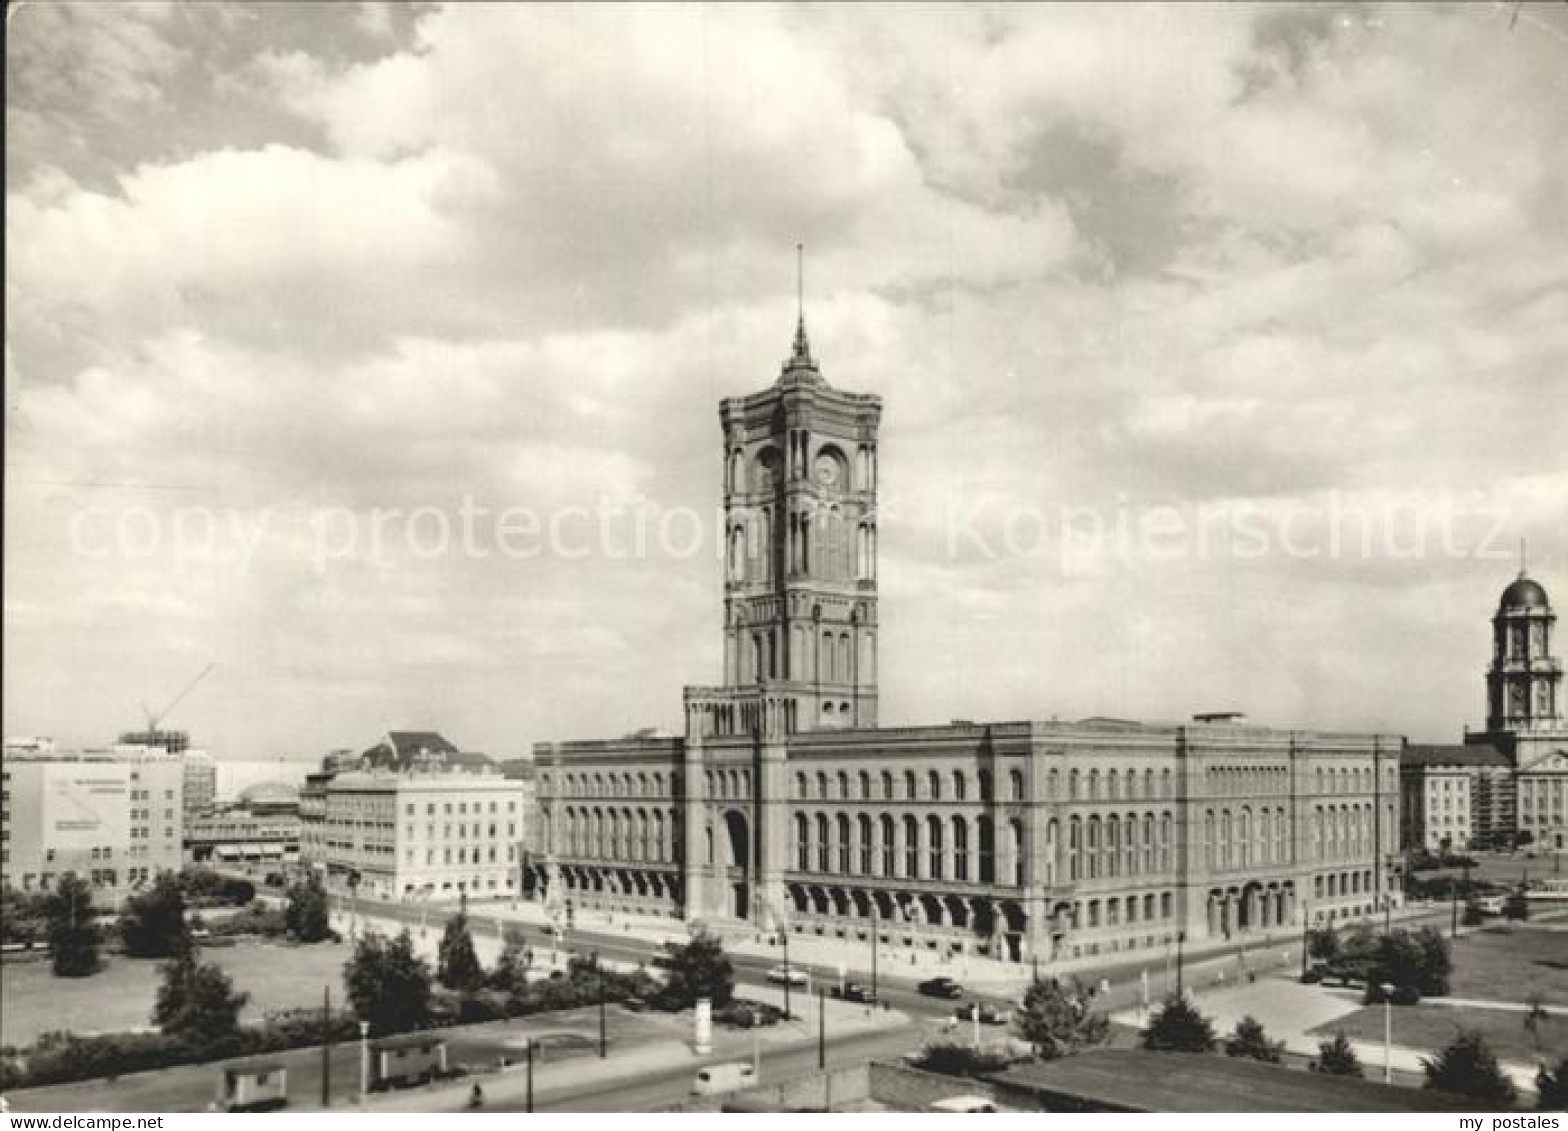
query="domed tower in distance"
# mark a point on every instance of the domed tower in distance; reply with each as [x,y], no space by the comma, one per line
[1524,681]
[1524,717]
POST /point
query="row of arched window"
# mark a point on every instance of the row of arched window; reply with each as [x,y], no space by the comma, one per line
[1340,831]
[955,785]
[1349,779]
[612,834]
[1098,847]
[655,784]
[933,785]
[1245,838]
[933,848]
[1234,781]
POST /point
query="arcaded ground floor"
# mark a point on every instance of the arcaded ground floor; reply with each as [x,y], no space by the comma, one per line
[992,923]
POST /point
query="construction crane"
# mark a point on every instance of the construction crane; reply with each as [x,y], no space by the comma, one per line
[152,734]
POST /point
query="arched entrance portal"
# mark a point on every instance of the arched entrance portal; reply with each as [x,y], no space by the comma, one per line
[737,862]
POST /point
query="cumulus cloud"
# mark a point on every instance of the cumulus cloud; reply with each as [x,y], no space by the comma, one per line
[273,259]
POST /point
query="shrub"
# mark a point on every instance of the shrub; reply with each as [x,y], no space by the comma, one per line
[1336,1058]
[1179,1027]
[1250,1042]
[1551,1087]
[955,1059]
[1467,1067]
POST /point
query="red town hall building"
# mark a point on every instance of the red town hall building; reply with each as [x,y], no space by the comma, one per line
[785,806]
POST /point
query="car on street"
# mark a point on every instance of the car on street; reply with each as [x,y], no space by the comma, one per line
[989,1014]
[788,976]
[941,987]
[716,1079]
[854,991]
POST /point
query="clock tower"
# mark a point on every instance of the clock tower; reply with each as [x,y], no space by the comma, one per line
[800,569]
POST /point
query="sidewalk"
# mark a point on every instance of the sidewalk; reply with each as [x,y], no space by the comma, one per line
[509,1086]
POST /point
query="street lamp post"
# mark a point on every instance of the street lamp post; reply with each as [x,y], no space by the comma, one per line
[1181,937]
[822,1027]
[1388,1032]
[1306,931]
[364,1059]
[603,1039]
[786,972]
[876,931]
[529,1096]
[326,1046]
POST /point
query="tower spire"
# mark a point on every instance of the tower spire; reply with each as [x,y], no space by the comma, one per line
[1524,560]
[800,357]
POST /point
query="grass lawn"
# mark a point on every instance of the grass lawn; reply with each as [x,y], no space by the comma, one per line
[1429,1027]
[1504,868]
[121,995]
[1510,962]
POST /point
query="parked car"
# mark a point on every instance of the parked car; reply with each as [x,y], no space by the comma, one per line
[716,1079]
[1492,904]
[853,991]
[941,987]
[989,1014]
[788,975]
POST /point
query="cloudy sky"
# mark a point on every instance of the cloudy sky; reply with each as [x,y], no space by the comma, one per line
[1242,275]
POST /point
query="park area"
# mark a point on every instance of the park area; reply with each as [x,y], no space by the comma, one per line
[1508,966]
[120,997]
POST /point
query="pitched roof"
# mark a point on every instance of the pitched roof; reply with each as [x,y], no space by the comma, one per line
[1469,754]
[404,749]
[1135,1080]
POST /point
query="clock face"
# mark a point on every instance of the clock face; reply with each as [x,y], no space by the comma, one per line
[827,470]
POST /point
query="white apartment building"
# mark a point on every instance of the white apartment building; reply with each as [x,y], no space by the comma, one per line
[115,818]
[420,834]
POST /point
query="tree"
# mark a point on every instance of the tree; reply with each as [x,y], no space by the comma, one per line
[1337,1058]
[1551,1087]
[388,983]
[1467,1067]
[73,936]
[1437,962]
[1057,1020]
[510,973]
[1179,1027]
[699,968]
[152,925]
[457,966]
[1322,945]
[23,916]
[307,914]
[1250,1042]
[197,1002]
[1400,961]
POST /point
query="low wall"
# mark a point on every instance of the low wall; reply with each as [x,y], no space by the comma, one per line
[901,1088]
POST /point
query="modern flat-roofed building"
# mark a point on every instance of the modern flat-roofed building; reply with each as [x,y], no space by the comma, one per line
[115,818]
[262,826]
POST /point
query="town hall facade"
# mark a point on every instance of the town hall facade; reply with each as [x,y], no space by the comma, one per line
[785,805]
